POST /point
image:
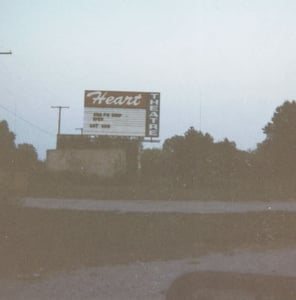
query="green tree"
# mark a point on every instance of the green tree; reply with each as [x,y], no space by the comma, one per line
[152,161]
[173,150]
[7,160]
[26,157]
[278,150]
[197,160]
[229,164]
[7,147]
[189,156]
[281,129]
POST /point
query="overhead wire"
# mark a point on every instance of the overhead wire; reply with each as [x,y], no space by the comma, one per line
[26,121]
[17,77]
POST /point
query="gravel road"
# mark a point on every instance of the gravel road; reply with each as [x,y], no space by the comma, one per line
[146,206]
[145,281]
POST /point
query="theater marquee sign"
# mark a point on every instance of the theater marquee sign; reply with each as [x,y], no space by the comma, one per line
[121,113]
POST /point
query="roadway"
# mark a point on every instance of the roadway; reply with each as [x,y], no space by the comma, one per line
[149,206]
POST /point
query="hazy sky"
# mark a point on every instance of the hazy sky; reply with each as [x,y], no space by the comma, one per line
[220,66]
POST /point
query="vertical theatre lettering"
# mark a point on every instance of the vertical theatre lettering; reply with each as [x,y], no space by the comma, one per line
[153,110]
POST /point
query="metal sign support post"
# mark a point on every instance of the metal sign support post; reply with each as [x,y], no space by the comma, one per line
[139,154]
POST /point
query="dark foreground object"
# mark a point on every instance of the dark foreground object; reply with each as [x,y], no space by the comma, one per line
[228,286]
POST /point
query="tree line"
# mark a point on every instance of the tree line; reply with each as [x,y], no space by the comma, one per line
[13,157]
[194,161]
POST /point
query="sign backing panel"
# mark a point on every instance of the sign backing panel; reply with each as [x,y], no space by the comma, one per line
[118,113]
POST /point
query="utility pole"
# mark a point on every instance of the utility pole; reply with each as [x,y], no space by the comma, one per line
[60,113]
[6,52]
[200,111]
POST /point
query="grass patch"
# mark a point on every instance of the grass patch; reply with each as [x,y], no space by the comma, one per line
[34,239]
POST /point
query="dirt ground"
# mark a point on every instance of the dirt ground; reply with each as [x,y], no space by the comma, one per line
[81,254]
[146,281]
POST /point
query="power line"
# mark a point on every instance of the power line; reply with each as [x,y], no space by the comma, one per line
[26,121]
[23,68]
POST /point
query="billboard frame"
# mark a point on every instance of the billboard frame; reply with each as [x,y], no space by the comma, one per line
[121,113]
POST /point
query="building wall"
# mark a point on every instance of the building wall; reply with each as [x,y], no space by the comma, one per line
[106,162]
